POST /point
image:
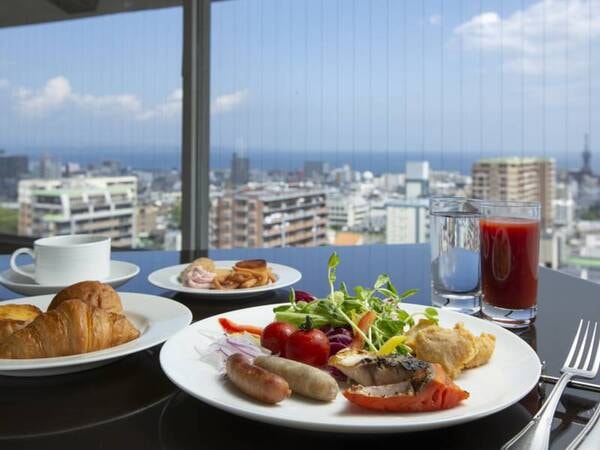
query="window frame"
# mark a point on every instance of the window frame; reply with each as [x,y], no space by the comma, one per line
[195,145]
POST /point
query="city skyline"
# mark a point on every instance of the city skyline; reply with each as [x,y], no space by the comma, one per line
[376,162]
[292,76]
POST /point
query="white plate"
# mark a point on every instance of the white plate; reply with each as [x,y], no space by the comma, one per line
[157,318]
[120,273]
[511,373]
[167,278]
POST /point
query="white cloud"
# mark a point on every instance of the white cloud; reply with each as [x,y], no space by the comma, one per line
[57,94]
[526,34]
[4,83]
[171,107]
[107,103]
[435,19]
[228,102]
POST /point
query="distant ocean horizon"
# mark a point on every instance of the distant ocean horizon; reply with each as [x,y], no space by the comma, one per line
[168,158]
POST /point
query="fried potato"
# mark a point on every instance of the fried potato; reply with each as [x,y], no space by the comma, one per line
[244,275]
[249,283]
[455,349]
[230,284]
[421,325]
[447,347]
[222,272]
[485,345]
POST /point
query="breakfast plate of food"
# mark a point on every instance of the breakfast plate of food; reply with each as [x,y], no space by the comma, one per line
[85,325]
[358,360]
[206,277]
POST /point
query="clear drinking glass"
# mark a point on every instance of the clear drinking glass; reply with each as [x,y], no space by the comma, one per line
[510,247]
[454,236]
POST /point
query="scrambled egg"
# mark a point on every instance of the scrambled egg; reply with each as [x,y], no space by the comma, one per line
[454,349]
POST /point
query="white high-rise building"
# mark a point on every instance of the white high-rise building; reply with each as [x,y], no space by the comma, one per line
[96,205]
[347,211]
[564,213]
[407,221]
[417,179]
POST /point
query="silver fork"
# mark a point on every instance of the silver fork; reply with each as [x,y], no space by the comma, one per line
[536,434]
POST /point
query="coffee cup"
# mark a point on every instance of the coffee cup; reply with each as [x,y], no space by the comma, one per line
[64,260]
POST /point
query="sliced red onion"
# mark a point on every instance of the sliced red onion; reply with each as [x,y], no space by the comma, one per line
[225,345]
[302,296]
[339,339]
[330,331]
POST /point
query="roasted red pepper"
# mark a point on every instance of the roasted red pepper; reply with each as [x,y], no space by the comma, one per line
[231,327]
[364,324]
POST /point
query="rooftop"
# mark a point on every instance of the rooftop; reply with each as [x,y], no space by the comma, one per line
[267,195]
[348,238]
[414,202]
[514,160]
[77,192]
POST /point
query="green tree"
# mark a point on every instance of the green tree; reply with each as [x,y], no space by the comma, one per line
[9,219]
[175,215]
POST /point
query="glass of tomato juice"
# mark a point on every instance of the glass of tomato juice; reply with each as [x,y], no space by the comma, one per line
[510,246]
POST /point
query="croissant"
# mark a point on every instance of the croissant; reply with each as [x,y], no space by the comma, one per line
[94,293]
[15,317]
[71,328]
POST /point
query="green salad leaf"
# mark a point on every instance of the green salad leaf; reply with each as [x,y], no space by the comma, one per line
[341,308]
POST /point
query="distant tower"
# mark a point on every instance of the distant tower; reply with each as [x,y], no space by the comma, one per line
[240,170]
[587,156]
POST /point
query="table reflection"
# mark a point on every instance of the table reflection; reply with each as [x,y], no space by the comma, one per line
[82,399]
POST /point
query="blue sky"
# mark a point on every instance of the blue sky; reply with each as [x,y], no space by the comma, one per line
[475,77]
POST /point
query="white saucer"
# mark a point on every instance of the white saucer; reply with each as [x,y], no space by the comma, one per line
[120,273]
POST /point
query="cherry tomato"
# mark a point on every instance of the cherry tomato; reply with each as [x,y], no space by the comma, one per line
[275,335]
[308,345]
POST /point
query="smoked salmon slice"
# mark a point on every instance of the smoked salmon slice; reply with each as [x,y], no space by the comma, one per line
[430,390]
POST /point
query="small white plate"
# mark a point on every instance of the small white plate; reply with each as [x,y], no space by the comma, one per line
[157,318]
[168,278]
[120,273]
[513,371]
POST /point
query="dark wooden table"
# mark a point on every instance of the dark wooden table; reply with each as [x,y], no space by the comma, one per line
[130,403]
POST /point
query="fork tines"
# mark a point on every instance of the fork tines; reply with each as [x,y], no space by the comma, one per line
[573,362]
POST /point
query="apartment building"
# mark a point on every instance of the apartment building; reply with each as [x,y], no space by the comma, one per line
[347,211]
[99,205]
[521,179]
[268,217]
[407,221]
[417,179]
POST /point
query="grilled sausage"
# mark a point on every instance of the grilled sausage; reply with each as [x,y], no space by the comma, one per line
[256,382]
[302,378]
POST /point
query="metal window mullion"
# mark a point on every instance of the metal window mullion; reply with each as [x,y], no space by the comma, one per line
[195,125]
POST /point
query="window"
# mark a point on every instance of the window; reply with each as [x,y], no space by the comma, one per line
[391,101]
[90,120]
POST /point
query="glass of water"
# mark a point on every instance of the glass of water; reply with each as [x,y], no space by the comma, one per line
[455,259]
